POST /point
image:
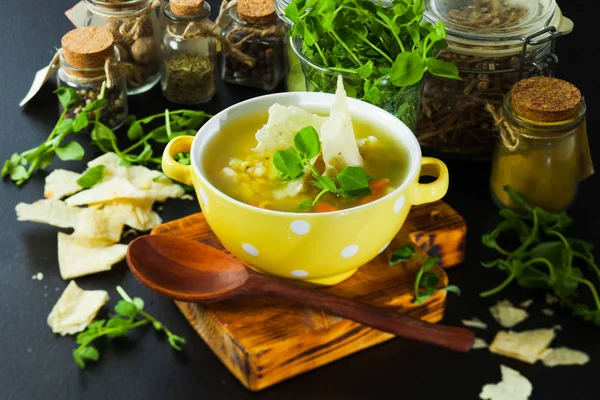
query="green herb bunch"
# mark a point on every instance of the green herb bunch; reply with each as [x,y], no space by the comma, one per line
[130,314]
[374,43]
[425,281]
[292,163]
[545,257]
[20,167]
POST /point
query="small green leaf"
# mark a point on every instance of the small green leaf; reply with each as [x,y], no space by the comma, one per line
[139,303]
[135,131]
[324,183]
[404,253]
[443,69]
[430,263]
[157,325]
[92,176]
[429,280]
[408,69]
[96,105]
[354,181]
[78,359]
[517,198]
[366,70]
[126,309]
[64,127]
[452,288]
[46,159]
[289,163]
[307,142]
[306,205]
[81,122]
[19,172]
[72,151]
[89,353]
[68,97]
[118,327]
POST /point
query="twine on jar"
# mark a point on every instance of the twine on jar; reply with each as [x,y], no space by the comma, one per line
[225,6]
[131,29]
[108,73]
[208,28]
[509,135]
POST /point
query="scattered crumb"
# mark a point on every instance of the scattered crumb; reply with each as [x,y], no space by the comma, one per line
[526,346]
[548,312]
[564,356]
[45,294]
[526,303]
[29,349]
[474,323]
[557,327]
[56,289]
[479,344]
[45,286]
[550,299]
[508,315]
[38,277]
[513,386]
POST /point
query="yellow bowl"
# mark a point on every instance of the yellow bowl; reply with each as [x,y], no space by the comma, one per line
[323,248]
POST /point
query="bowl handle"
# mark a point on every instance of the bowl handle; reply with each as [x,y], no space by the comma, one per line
[433,191]
[173,169]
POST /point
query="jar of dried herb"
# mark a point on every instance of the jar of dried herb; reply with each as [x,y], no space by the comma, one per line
[188,52]
[89,63]
[494,43]
[134,25]
[542,150]
[255,31]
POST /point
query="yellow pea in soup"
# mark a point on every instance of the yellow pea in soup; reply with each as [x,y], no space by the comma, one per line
[235,168]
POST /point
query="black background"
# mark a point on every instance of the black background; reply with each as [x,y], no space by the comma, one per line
[35,364]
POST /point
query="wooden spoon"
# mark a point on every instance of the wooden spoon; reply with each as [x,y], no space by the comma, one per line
[187,270]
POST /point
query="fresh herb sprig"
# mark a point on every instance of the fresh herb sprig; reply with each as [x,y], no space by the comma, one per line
[20,167]
[545,258]
[130,314]
[372,41]
[293,163]
[425,281]
[141,151]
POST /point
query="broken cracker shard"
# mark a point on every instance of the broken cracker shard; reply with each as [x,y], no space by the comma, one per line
[513,386]
[508,315]
[527,346]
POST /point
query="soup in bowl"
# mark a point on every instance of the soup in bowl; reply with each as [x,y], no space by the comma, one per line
[293,202]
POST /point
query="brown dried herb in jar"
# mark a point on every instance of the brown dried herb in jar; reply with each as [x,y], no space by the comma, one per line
[89,60]
[133,24]
[453,117]
[255,30]
[188,78]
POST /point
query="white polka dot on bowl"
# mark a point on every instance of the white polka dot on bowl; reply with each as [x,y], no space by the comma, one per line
[399,204]
[299,273]
[300,227]
[250,250]
[204,197]
[350,251]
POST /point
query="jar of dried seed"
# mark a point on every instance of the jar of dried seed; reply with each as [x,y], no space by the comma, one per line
[89,63]
[256,31]
[134,25]
[494,43]
[188,52]
[542,150]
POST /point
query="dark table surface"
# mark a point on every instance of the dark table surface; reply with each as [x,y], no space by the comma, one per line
[36,364]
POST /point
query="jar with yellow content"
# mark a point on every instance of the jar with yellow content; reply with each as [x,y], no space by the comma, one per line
[542,150]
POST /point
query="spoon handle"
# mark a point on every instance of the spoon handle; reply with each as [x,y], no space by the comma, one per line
[454,338]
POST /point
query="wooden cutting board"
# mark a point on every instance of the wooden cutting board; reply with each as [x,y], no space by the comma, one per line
[264,341]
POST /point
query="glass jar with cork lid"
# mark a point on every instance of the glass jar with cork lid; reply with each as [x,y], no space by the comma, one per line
[494,44]
[255,31]
[89,63]
[134,26]
[188,52]
[542,150]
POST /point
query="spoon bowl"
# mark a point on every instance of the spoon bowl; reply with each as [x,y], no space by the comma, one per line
[190,271]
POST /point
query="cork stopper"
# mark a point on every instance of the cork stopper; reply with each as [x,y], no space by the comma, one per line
[187,7]
[87,47]
[256,11]
[543,99]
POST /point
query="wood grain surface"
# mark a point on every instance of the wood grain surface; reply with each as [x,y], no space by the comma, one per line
[263,341]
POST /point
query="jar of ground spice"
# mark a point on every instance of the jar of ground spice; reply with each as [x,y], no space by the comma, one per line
[89,63]
[494,44]
[256,31]
[134,25]
[542,150]
[188,52]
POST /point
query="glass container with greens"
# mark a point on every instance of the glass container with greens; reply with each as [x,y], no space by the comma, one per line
[382,50]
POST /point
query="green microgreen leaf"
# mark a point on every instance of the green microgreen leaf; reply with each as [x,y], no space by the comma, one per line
[307,142]
[81,122]
[91,177]
[443,69]
[68,97]
[354,181]
[408,69]
[404,253]
[71,151]
[289,163]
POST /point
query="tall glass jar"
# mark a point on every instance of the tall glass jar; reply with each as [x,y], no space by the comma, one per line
[542,150]
[255,31]
[93,75]
[294,76]
[188,55]
[134,25]
[493,43]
